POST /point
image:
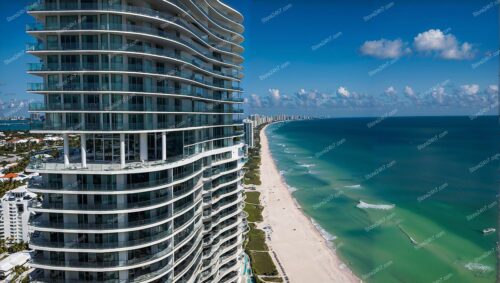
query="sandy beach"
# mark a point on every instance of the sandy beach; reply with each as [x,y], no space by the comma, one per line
[301,250]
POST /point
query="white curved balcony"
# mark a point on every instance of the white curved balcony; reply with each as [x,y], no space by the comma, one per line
[47,226]
[137,31]
[76,265]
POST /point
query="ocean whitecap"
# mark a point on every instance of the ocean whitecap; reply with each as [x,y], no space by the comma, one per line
[307,165]
[474,266]
[365,205]
[357,186]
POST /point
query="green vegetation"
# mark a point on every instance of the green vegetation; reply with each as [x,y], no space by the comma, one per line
[255,245]
[262,264]
[18,271]
[273,279]
[254,212]
[256,239]
[9,185]
[253,197]
[252,166]
[20,167]
[12,247]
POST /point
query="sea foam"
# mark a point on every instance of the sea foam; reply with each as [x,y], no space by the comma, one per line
[474,266]
[365,205]
[307,165]
[327,236]
[353,186]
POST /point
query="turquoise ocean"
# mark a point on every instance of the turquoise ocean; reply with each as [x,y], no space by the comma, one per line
[400,199]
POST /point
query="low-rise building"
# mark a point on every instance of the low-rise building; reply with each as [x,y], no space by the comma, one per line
[7,264]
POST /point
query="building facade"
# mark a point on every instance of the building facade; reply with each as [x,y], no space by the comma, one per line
[15,215]
[147,97]
[249,133]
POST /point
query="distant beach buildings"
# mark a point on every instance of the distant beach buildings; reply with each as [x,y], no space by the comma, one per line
[249,134]
[263,119]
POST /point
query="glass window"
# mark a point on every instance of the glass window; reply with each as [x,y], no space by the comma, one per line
[51,22]
[52,42]
[69,42]
[69,22]
[89,42]
[70,62]
[116,41]
[52,62]
[90,62]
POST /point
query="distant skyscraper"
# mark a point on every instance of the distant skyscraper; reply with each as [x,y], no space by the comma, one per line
[148,186]
[248,124]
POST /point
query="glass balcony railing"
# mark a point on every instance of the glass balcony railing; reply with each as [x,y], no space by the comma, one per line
[46,242]
[223,14]
[44,6]
[41,87]
[37,222]
[128,28]
[140,68]
[77,186]
[40,107]
[234,73]
[130,126]
[105,207]
[99,264]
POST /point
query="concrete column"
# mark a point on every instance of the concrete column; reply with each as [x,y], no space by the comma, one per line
[83,149]
[143,141]
[163,146]
[66,149]
[122,150]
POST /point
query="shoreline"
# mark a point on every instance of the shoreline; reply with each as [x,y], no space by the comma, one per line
[299,245]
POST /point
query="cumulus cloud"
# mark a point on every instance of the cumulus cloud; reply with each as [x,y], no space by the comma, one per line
[384,48]
[255,100]
[390,91]
[409,92]
[444,45]
[438,94]
[492,89]
[275,95]
[441,95]
[342,91]
[471,89]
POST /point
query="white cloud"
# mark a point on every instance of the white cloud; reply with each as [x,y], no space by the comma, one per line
[255,100]
[275,95]
[342,91]
[445,45]
[471,89]
[409,91]
[391,91]
[492,89]
[438,94]
[384,48]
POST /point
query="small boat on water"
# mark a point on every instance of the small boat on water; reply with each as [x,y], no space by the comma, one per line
[488,231]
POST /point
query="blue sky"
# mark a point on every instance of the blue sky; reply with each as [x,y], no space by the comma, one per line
[340,58]
[301,54]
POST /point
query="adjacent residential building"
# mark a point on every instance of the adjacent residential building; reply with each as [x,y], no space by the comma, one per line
[8,264]
[15,215]
[248,124]
[150,190]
